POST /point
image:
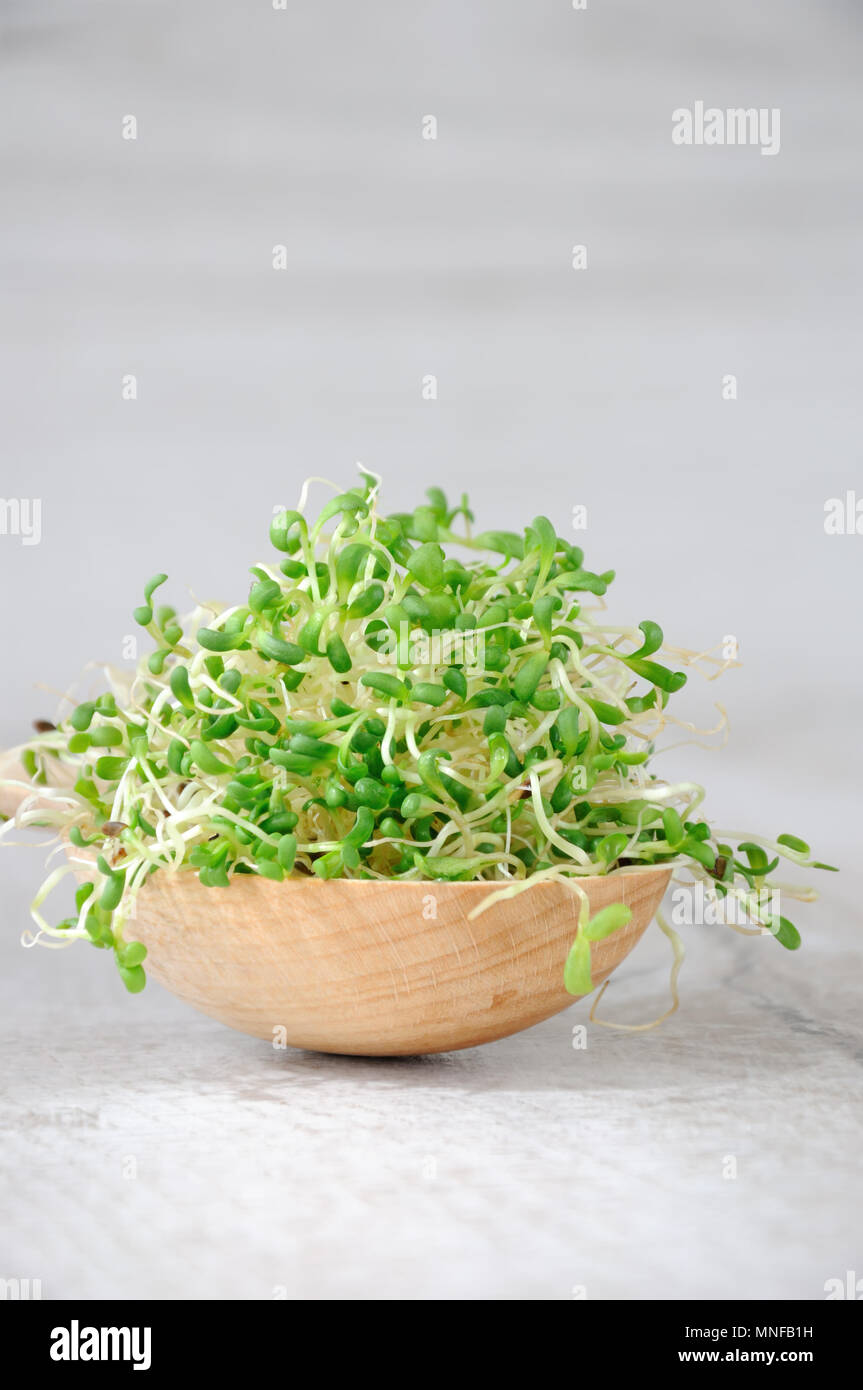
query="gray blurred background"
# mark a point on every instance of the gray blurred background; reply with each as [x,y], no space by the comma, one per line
[556,387]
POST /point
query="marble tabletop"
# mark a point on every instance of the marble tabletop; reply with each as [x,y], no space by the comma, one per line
[150,1153]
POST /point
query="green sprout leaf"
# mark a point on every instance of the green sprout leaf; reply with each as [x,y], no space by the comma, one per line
[576,972]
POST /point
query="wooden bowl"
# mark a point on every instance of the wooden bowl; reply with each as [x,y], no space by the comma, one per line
[376,968]
[370,967]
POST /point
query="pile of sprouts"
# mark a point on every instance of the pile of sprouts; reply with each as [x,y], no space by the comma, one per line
[397,698]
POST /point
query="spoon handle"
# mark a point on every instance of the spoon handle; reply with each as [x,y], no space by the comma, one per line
[12,770]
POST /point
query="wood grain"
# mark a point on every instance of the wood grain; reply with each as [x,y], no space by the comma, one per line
[369,967]
[376,968]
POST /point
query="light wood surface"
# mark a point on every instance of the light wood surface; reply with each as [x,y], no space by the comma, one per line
[376,968]
[370,967]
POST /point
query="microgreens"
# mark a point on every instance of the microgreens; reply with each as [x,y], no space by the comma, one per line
[379,708]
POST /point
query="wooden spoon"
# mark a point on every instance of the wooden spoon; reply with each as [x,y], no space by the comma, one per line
[375,968]
[371,967]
